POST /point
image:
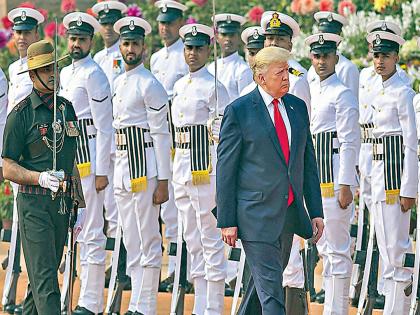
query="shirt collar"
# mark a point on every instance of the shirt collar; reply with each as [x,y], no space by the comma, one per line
[267,98]
[175,46]
[230,58]
[36,100]
[23,60]
[198,73]
[113,48]
[80,62]
[390,80]
[134,70]
[328,80]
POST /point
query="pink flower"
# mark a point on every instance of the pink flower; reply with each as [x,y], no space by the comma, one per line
[49,30]
[326,5]
[295,6]
[255,14]
[200,3]
[27,4]
[6,22]
[43,12]
[61,30]
[134,10]
[191,20]
[68,6]
[90,12]
[4,38]
[346,7]
[307,6]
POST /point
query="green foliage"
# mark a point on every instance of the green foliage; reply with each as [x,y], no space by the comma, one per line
[6,200]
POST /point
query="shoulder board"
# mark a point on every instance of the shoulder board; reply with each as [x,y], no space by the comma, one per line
[295,72]
[22,104]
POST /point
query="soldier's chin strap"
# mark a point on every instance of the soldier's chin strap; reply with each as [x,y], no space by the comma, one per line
[42,82]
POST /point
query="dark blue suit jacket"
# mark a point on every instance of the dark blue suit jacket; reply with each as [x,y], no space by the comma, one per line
[252,174]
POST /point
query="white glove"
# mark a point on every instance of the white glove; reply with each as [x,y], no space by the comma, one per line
[49,181]
[214,128]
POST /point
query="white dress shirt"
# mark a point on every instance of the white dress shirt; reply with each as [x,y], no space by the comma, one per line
[234,73]
[334,108]
[111,62]
[86,86]
[168,65]
[141,101]
[3,109]
[268,101]
[20,85]
[194,103]
[346,71]
[393,114]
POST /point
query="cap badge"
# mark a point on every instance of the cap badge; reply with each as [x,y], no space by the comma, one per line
[165,8]
[384,27]
[131,26]
[194,31]
[321,40]
[79,21]
[378,39]
[106,9]
[23,16]
[228,19]
[275,21]
[255,35]
[330,18]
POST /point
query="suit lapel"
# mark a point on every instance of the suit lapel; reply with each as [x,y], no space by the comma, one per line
[264,116]
[291,114]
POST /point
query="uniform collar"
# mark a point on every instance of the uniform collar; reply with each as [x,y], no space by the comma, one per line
[81,62]
[113,48]
[198,73]
[328,80]
[140,67]
[36,101]
[230,58]
[175,46]
[23,60]
[391,80]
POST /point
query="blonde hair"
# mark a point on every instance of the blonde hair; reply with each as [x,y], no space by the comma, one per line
[268,56]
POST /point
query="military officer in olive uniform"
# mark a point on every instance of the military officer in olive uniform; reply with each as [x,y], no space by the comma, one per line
[27,155]
[86,85]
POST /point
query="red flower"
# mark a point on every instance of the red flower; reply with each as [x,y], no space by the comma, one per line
[346,7]
[43,12]
[7,190]
[307,6]
[326,5]
[6,22]
[49,30]
[27,4]
[68,6]
[255,14]
[90,12]
[200,3]
[61,30]
[295,6]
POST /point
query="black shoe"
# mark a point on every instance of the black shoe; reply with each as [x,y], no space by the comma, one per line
[83,311]
[10,308]
[228,290]
[137,313]
[379,302]
[18,309]
[129,313]
[320,297]
[164,284]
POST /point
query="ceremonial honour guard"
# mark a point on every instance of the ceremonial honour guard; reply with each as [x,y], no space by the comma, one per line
[30,152]
[194,183]
[336,135]
[232,70]
[86,85]
[394,169]
[168,66]
[142,163]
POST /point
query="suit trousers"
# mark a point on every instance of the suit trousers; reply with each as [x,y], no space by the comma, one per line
[266,261]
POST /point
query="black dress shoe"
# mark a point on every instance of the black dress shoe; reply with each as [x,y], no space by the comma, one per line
[164,284]
[10,308]
[129,313]
[379,302]
[18,309]
[83,311]
[137,313]
[228,290]
[320,297]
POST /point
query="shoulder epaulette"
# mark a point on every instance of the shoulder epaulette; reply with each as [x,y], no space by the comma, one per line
[295,72]
[22,104]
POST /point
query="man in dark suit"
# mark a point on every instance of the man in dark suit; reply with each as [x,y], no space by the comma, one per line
[266,171]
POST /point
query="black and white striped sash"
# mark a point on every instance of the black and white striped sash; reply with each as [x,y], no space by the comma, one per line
[324,150]
[390,149]
[366,132]
[196,139]
[132,139]
[83,159]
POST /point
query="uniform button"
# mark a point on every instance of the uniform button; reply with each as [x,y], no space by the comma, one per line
[365,106]
[181,115]
[185,98]
[286,197]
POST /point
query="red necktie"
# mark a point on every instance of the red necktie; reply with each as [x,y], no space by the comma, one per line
[283,139]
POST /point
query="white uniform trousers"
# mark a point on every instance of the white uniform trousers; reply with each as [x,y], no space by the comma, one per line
[293,274]
[204,242]
[92,248]
[111,213]
[140,225]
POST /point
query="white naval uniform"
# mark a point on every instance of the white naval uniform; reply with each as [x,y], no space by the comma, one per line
[346,71]
[393,114]
[334,108]
[234,73]
[86,86]
[3,108]
[141,101]
[168,66]
[111,62]
[194,104]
